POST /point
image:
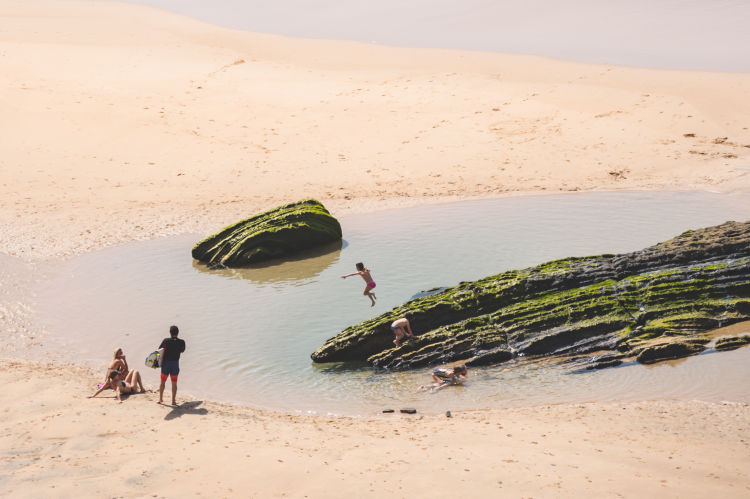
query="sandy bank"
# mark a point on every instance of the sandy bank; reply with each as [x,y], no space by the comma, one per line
[123,122]
[58,443]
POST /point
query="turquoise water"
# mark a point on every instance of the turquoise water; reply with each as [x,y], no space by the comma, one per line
[249,332]
[678,34]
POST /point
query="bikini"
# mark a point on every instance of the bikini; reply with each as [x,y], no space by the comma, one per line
[371,284]
[445,376]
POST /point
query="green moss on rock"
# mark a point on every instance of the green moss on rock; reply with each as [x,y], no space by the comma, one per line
[617,303]
[278,233]
[672,350]
[732,343]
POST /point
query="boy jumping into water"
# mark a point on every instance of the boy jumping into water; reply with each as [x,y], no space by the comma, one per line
[365,273]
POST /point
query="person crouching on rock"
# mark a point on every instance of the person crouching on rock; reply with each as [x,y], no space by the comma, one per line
[402,328]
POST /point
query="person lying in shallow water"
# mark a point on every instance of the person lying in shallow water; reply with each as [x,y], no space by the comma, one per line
[120,385]
[444,377]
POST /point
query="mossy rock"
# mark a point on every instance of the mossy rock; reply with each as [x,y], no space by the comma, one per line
[732,343]
[490,357]
[604,361]
[616,303]
[672,350]
[279,233]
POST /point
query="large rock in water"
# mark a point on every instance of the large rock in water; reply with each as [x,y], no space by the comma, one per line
[278,233]
[614,305]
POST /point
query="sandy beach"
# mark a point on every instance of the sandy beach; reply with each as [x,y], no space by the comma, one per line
[59,444]
[122,123]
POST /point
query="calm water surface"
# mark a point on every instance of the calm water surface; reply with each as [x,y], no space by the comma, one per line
[707,35]
[250,332]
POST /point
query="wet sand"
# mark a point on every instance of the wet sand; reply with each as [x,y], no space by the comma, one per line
[122,123]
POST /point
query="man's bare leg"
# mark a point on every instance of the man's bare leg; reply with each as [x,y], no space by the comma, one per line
[174,392]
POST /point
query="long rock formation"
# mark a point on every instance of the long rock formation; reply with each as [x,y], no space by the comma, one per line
[652,304]
[278,233]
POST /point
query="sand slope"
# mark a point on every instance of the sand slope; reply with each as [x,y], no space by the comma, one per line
[123,122]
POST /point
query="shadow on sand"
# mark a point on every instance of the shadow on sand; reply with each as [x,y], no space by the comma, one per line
[186,408]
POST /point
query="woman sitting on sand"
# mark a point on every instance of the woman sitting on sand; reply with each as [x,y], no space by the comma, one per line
[120,385]
[119,363]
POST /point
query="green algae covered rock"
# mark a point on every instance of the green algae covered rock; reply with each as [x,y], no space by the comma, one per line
[612,305]
[732,343]
[672,350]
[278,233]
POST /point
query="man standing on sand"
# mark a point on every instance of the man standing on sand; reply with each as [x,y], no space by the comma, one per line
[170,362]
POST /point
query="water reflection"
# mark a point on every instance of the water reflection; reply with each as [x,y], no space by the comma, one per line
[305,265]
[342,367]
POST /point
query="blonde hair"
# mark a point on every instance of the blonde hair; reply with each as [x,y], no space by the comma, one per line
[114,356]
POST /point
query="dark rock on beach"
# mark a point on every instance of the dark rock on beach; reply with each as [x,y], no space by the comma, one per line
[604,361]
[279,233]
[732,343]
[652,304]
[672,350]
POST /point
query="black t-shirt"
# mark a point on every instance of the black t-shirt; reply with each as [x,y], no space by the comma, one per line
[173,347]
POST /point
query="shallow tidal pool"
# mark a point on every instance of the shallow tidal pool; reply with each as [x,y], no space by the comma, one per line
[250,332]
